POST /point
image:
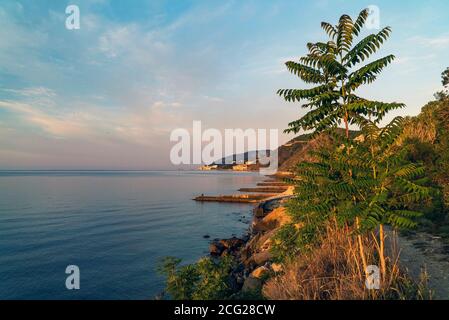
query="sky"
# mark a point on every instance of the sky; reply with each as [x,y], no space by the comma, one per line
[107,96]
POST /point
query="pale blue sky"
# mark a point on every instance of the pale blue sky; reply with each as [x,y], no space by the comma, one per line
[108,95]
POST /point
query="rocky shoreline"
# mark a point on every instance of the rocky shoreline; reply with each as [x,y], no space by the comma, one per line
[252,251]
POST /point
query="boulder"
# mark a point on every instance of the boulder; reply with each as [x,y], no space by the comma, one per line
[260,272]
[216,248]
[256,259]
[261,258]
[232,243]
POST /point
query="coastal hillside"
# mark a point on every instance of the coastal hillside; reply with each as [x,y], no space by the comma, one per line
[298,149]
[289,154]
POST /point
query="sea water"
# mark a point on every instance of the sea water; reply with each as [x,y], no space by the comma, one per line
[114,225]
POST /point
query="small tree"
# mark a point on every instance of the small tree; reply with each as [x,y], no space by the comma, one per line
[371,186]
[444,94]
[333,67]
[445,77]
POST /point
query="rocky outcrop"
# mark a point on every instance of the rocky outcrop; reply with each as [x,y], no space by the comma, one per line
[255,255]
[225,246]
[254,251]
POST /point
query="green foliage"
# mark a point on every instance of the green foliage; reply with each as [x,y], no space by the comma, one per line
[428,141]
[420,151]
[445,77]
[444,94]
[333,67]
[207,279]
[369,179]
[289,240]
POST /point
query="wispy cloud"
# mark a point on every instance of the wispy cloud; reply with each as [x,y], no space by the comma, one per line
[432,42]
[32,92]
[94,122]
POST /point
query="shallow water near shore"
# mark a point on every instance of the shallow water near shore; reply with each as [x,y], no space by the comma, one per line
[114,225]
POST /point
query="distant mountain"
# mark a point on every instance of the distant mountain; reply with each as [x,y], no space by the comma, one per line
[243,157]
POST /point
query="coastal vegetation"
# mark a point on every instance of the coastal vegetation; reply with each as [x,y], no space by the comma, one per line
[355,186]
[355,192]
[343,201]
[205,280]
[396,176]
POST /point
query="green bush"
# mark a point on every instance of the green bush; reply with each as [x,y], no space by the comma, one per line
[290,240]
[419,151]
[433,153]
[208,279]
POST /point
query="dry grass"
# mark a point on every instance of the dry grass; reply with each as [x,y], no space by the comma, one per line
[334,271]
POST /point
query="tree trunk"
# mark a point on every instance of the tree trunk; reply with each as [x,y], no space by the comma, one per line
[383,264]
[346,125]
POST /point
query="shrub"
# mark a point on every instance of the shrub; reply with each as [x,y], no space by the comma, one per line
[291,239]
[208,279]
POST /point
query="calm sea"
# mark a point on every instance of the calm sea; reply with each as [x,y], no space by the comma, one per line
[114,225]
